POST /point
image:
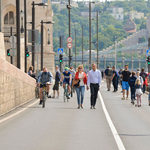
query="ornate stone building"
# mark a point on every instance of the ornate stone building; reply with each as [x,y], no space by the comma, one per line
[44,13]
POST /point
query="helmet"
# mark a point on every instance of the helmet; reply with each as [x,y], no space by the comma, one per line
[66,68]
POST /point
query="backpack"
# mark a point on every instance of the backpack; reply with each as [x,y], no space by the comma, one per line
[143,76]
[109,72]
[49,75]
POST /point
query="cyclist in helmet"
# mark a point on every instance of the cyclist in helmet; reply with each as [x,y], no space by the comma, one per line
[66,78]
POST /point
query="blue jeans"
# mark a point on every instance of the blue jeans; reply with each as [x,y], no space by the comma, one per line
[80,92]
[144,88]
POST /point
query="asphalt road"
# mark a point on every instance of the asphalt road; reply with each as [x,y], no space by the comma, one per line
[61,126]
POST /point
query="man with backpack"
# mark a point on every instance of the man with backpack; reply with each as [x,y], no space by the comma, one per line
[115,79]
[108,73]
[45,78]
[143,74]
[131,81]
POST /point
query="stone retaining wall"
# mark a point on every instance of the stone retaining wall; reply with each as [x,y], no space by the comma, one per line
[16,87]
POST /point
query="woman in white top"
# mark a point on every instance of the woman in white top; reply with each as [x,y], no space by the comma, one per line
[80,75]
[139,77]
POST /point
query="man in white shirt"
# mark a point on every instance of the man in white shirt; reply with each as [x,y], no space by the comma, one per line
[94,79]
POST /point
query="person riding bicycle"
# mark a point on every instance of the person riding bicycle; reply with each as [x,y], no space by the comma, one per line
[45,78]
[66,78]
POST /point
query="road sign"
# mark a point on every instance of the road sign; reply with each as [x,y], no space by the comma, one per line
[148,52]
[69,39]
[37,49]
[69,45]
[60,50]
[13,52]
[30,36]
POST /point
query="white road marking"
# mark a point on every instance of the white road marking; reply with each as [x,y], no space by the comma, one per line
[17,113]
[111,125]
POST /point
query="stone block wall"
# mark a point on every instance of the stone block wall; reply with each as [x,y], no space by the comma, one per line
[2,46]
[16,87]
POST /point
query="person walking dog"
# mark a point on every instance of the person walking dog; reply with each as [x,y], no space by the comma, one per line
[81,76]
[94,80]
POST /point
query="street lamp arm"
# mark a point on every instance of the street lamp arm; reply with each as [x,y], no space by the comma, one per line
[40,4]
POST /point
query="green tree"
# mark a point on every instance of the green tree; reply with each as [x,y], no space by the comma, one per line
[55,8]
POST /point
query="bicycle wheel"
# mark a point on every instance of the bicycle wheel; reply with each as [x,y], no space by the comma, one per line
[64,96]
[37,92]
[44,98]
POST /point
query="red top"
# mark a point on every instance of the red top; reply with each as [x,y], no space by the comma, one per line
[84,79]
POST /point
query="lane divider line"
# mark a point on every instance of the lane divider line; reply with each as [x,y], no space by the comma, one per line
[17,113]
[111,125]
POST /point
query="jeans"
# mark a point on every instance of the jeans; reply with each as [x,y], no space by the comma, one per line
[115,84]
[80,92]
[94,90]
[144,88]
[132,93]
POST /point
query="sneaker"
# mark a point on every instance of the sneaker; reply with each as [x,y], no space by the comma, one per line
[94,107]
[49,96]
[57,97]
[127,98]
[123,98]
[69,96]
[91,107]
[40,102]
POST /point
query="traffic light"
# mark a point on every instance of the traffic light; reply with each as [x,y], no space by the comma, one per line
[60,58]
[27,53]
[8,52]
[71,58]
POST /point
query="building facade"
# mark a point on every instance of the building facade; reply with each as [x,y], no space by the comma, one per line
[8,19]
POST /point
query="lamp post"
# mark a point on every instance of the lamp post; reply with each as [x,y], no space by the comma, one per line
[123,59]
[48,31]
[115,53]
[139,59]
[132,60]
[18,32]
[22,15]
[75,47]
[33,27]
[47,22]
[82,42]
[104,62]
[90,35]
[97,36]
[69,8]
[146,63]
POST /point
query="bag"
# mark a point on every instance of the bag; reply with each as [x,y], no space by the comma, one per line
[109,72]
[76,83]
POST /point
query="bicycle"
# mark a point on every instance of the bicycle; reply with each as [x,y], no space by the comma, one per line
[44,97]
[66,92]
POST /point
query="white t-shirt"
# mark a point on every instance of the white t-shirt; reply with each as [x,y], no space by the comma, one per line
[81,80]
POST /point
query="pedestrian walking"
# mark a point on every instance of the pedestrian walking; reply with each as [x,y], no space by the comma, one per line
[102,74]
[143,74]
[114,79]
[57,80]
[94,80]
[132,80]
[148,80]
[138,92]
[81,76]
[108,73]
[125,85]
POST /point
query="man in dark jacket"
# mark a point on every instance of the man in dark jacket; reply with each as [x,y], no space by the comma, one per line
[131,81]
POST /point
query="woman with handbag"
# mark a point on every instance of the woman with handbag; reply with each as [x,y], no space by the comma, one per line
[81,80]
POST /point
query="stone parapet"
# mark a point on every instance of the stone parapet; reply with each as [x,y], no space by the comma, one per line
[16,87]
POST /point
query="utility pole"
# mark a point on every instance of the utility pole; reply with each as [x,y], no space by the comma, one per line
[75,49]
[0,16]
[60,54]
[82,44]
[148,48]
[33,33]
[89,35]
[41,44]
[11,57]
[97,41]
[18,32]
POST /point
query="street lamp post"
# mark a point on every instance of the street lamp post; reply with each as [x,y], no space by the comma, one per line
[33,28]
[22,15]
[132,60]
[123,59]
[115,53]
[139,59]
[146,63]
[69,9]
[104,62]
[82,42]
[48,37]
[18,32]
[42,31]
[75,47]
[90,35]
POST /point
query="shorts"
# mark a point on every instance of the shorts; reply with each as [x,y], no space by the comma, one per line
[65,81]
[41,86]
[56,86]
[125,85]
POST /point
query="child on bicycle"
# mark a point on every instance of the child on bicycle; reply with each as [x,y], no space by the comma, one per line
[66,78]
[138,92]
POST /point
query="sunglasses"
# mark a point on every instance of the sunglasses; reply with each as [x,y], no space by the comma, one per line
[79,68]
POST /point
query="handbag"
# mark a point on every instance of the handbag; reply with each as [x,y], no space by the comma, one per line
[76,83]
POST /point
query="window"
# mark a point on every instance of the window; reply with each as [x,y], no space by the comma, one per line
[6,19]
[9,18]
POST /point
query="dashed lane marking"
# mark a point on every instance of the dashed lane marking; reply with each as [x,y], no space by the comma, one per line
[111,125]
